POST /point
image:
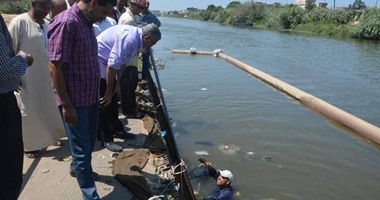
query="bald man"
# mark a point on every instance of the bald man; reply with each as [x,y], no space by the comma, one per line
[40,113]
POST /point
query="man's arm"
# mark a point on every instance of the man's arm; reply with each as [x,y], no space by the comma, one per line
[211,170]
[68,110]
[12,67]
[156,21]
[110,79]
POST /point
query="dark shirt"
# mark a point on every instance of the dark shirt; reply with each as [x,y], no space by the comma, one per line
[148,18]
[12,67]
[219,193]
[72,40]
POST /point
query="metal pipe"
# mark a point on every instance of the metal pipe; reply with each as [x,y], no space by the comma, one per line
[317,105]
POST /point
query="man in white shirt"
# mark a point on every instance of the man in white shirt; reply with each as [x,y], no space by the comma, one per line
[99,27]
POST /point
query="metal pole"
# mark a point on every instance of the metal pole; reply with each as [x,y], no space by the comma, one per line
[187,192]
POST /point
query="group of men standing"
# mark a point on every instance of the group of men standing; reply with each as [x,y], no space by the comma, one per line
[83,70]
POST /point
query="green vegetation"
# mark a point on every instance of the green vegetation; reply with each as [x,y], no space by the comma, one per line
[16,7]
[355,21]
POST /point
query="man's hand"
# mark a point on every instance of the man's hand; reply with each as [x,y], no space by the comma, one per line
[106,99]
[28,57]
[202,160]
[70,114]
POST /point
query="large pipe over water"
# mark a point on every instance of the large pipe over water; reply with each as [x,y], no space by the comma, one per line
[317,105]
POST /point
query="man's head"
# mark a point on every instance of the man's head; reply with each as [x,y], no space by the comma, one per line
[150,35]
[40,8]
[137,6]
[144,10]
[224,179]
[97,9]
[122,3]
[57,7]
[71,2]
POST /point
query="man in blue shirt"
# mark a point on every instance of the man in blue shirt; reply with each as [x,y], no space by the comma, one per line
[223,190]
[117,46]
[12,67]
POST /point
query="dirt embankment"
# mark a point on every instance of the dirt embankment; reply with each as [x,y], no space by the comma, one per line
[8,17]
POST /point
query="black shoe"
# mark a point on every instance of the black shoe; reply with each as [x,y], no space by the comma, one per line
[94,174]
[112,146]
[124,135]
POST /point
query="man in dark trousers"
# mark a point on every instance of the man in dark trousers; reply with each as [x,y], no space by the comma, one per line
[74,70]
[12,67]
[223,190]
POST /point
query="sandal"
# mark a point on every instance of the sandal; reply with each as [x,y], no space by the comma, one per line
[58,143]
[32,154]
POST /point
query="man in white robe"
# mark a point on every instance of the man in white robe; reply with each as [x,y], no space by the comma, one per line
[41,121]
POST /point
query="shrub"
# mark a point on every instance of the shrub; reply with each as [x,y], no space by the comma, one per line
[257,12]
[221,17]
[17,7]
[369,26]
[291,17]
[343,16]
[205,15]
[318,14]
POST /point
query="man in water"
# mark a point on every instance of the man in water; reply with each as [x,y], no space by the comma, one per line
[223,178]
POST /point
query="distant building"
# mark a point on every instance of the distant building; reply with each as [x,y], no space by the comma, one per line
[191,9]
[322,5]
[303,3]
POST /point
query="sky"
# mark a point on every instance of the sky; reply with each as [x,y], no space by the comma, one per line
[168,5]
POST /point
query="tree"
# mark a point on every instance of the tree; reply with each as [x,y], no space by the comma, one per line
[310,6]
[213,8]
[357,5]
[233,4]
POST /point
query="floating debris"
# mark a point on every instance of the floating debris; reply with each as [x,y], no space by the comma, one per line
[202,153]
[266,158]
[230,149]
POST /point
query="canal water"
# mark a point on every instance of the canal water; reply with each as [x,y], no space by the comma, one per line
[275,147]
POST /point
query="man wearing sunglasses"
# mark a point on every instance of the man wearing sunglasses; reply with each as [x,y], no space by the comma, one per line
[223,178]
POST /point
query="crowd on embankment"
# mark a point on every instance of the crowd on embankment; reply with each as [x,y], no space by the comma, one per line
[64,66]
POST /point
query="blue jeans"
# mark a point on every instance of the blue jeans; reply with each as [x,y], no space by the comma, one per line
[82,139]
[145,65]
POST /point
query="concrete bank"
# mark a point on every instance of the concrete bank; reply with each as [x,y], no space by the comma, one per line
[48,178]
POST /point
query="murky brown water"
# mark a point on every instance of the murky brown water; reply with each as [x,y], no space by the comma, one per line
[286,152]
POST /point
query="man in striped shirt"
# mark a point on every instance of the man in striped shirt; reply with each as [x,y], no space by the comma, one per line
[74,69]
[12,67]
